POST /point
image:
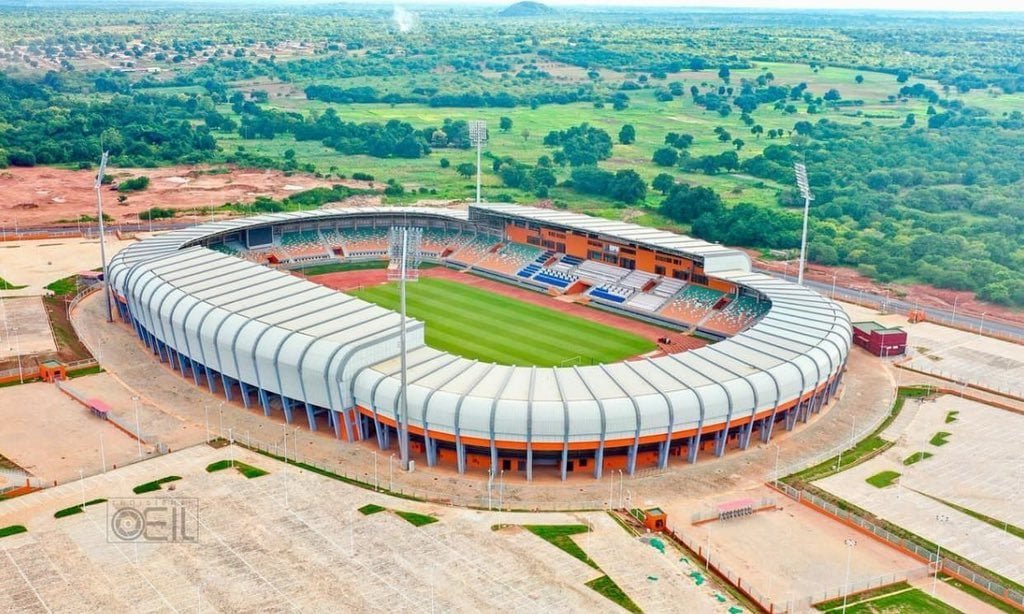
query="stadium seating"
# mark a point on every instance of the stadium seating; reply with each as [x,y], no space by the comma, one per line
[303,245]
[737,315]
[646,302]
[612,292]
[510,259]
[692,304]
[531,269]
[598,273]
[667,288]
[556,278]
[637,280]
[231,249]
[365,242]
[437,240]
[473,250]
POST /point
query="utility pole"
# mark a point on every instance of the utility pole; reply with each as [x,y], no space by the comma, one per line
[103,249]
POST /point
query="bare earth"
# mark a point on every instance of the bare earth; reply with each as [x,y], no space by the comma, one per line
[43,196]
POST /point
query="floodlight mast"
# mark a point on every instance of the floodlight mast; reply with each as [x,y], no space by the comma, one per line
[805,191]
[403,421]
[478,136]
[103,249]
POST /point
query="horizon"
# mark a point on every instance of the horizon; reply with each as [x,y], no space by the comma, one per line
[1001,7]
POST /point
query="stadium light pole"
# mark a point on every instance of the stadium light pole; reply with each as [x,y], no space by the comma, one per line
[850,543]
[478,136]
[103,249]
[402,422]
[805,191]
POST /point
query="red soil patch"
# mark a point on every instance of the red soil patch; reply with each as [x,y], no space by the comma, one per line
[680,342]
[43,196]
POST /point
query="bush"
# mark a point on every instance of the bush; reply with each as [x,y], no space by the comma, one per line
[154,485]
[156,213]
[362,176]
[13,529]
[21,158]
[136,184]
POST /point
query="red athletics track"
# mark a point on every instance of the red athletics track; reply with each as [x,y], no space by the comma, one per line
[349,280]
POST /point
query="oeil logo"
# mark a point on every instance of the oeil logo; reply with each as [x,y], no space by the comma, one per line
[161,520]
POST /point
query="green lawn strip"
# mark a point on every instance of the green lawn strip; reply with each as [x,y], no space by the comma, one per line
[371,508]
[951,416]
[416,520]
[363,265]
[609,589]
[66,286]
[940,439]
[460,319]
[980,595]
[76,509]
[883,479]
[154,485]
[867,448]
[13,529]
[247,470]
[855,598]
[559,536]
[6,285]
[917,457]
[914,601]
[995,522]
[93,370]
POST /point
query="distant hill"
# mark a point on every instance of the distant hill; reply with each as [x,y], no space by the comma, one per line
[527,9]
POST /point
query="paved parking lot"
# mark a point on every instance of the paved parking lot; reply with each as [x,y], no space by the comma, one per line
[981,468]
[24,327]
[294,540]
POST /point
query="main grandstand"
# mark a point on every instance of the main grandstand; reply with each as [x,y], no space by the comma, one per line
[214,302]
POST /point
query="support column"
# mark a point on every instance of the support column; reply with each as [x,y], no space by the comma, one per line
[663,448]
[721,437]
[227,386]
[599,461]
[692,448]
[460,456]
[529,463]
[210,381]
[264,401]
[245,393]
[565,463]
[631,457]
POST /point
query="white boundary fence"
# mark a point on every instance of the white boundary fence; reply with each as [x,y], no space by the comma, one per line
[934,564]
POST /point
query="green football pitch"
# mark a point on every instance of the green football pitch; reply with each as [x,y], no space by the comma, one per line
[478,324]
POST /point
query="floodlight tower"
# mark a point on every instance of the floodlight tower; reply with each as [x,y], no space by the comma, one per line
[805,191]
[478,136]
[103,249]
[404,245]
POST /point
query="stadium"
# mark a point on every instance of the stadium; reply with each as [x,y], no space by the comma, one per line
[219,304]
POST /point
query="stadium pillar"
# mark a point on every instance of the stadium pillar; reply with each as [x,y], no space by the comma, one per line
[431,448]
[227,386]
[264,401]
[244,391]
[599,461]
[529,463]
[346,421]
[494,458]
[565,463]
[195,372]
[210,381]
[692,449]
[460,455]
[631,457]
[746,434]
[721,437]
[767,426]
[663,454]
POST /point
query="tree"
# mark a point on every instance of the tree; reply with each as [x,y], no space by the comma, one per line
[724,136]
[505,124]
[902,76]
[685,204]
[738,144]
[663,183]
[628,186]
[466,169]
[723,73]
[525,134]
[627,135]
[833,95]
[445,163]
[666,156]
[757,130]
[909,121]
[859,79]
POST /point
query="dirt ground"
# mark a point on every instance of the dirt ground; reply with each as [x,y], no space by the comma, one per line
[348,280]
[45,196]
[51,436]
[789,553]
[35,264]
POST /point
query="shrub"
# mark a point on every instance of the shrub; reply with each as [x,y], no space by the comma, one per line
[362,176]
[136,184]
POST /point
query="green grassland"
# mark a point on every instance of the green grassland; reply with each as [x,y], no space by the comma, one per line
[477,324]
[896,599]
[652,119]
